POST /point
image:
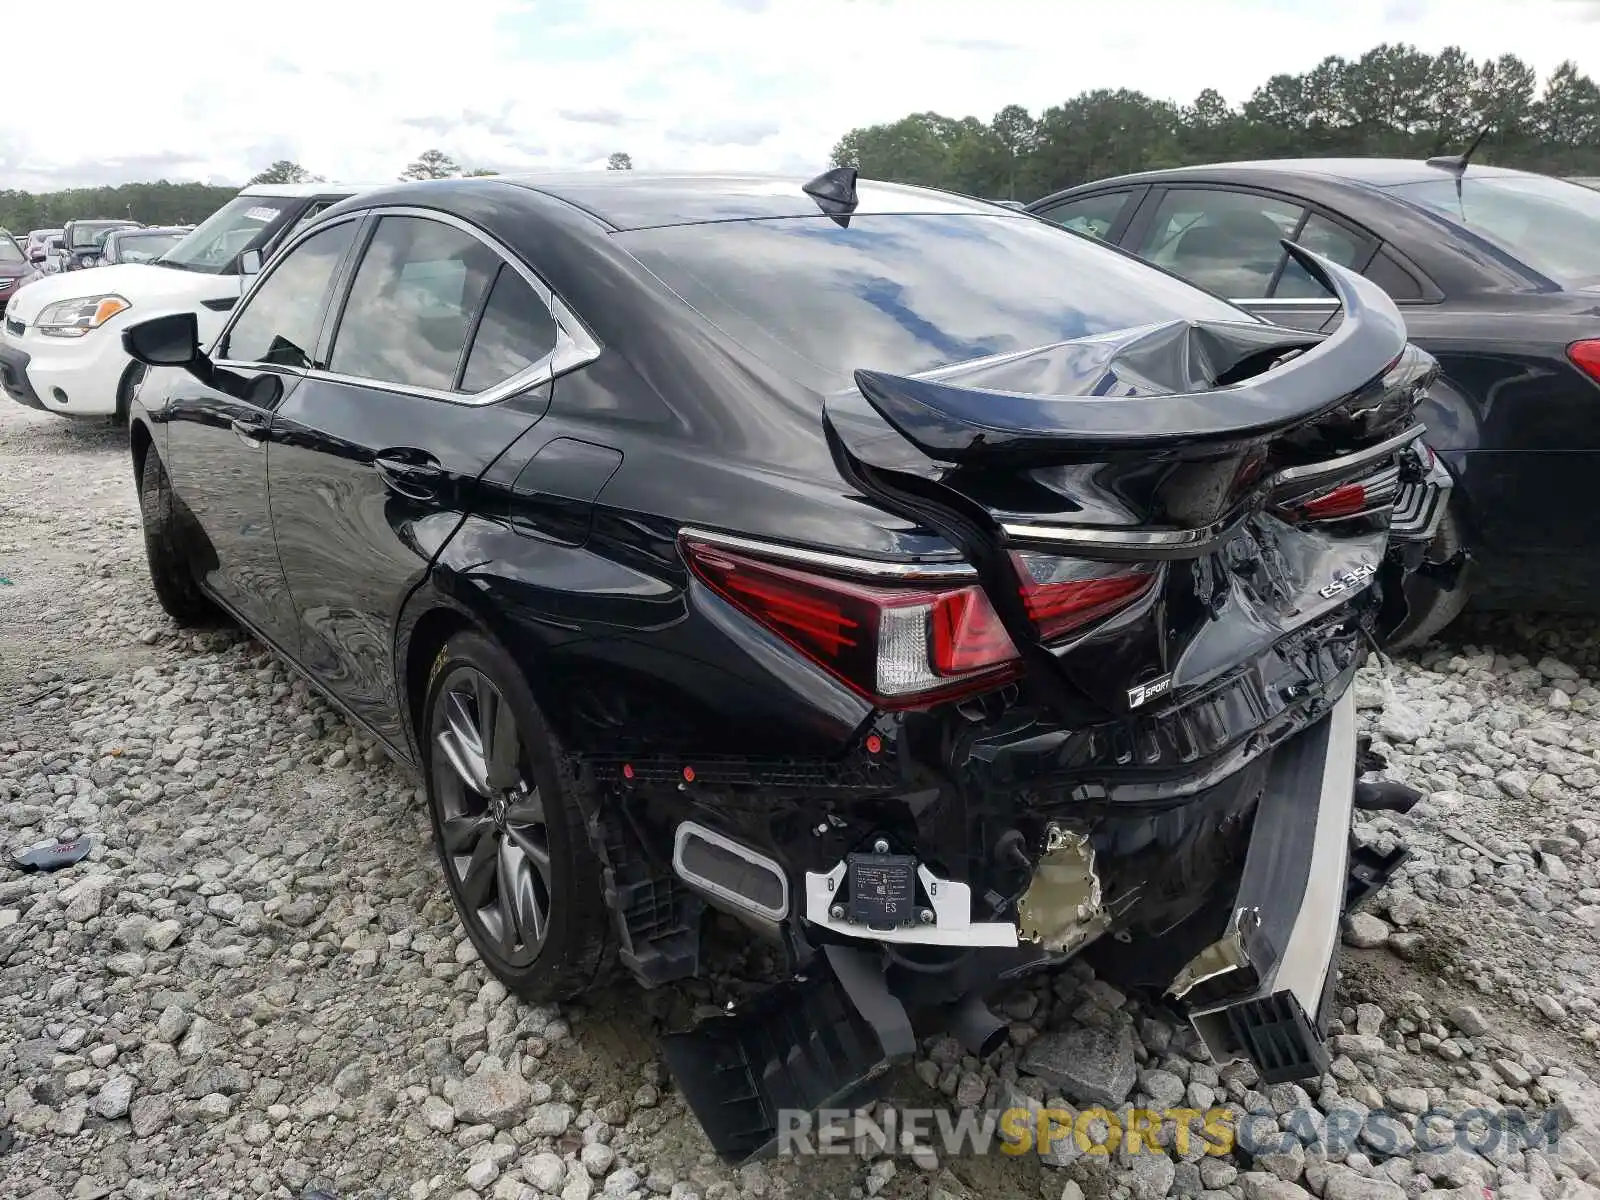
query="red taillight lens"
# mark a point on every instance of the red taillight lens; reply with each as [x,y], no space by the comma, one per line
[909,646]
[1343,501]
[1586,357]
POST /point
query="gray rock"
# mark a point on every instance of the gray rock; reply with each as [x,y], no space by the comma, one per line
[493,1097]
[149,1114]
[1259,1185]
[1365,931]
[1088,1064]
[547,1120]
[544,1171]
[114,1096]
[1150,1176]
[1345,1184]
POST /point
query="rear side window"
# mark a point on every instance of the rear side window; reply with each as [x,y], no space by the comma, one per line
[517,330]
[1321,236]
[1400,283]
[907,293]
[1227,242]
[1095,216]
[412,303]
[278,323]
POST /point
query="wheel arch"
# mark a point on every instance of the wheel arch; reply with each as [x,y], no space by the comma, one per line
[140,442]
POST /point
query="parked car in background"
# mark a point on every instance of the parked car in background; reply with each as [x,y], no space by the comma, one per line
[55,254]
[15,269]
[83,240]
[888,682]
[35,244]
[139,245]
[1498,275]
[59,346]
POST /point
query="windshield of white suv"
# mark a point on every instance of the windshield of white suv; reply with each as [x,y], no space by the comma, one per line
[239,224]
[1551,225]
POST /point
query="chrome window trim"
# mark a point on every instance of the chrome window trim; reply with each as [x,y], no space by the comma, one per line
[575,345]
[1308,302]
[843,564]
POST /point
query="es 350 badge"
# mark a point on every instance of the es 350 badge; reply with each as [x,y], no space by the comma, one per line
[1349,581]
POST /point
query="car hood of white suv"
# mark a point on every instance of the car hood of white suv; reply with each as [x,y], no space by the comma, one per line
[156,290]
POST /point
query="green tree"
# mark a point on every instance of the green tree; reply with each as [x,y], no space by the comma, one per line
[619,162]
[431,164]
[285,171]
[479,172]
[1392,101]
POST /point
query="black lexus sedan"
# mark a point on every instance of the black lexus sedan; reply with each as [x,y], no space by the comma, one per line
[936,592]
[1498,275]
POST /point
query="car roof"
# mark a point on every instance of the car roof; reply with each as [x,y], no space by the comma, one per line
[645,199]
[1373,172]
[296,191]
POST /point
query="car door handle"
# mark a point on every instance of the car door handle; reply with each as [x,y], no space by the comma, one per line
[249,431]
[414,474]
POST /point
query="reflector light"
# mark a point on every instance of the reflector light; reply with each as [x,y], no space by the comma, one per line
[1586,357]
[1343,501]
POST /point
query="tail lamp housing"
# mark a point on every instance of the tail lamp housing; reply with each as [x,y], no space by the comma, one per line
[914,645]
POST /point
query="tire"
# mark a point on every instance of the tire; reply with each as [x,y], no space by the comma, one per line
[1433,608]
[176,589]
[510,837]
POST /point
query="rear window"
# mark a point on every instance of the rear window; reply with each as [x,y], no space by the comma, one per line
[1550,224]
[907,293]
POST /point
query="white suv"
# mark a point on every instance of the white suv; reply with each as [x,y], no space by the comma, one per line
[60,343]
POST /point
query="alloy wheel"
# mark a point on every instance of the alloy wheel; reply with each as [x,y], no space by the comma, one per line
[491,818]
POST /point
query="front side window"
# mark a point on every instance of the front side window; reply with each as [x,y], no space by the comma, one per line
[412,304]
[243,223]
[1227,242]
[1552,225]
[1092,215]
[279,321]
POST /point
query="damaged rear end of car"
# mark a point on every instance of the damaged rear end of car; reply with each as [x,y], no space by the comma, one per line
[1114,719]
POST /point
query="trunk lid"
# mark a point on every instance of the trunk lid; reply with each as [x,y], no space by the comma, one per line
[1251,470]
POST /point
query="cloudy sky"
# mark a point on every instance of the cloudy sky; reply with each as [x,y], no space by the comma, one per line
[354,89]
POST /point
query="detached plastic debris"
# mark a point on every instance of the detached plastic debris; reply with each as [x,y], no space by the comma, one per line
[52,855]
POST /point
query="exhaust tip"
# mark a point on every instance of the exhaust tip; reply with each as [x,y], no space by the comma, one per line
[729,874]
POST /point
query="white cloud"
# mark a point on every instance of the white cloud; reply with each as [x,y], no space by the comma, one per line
[200,90]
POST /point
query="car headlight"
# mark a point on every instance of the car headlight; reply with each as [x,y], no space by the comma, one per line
[74,318]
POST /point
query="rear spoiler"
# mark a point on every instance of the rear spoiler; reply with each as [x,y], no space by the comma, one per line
[1119,412]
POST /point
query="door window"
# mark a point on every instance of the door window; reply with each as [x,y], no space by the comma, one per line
[1092,215]
[412,304]
[517,330]
[1320,236]
[278,323]
[1227,242]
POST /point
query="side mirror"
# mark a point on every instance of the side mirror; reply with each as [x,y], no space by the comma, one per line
[170,341]
[250,262]
[36,256]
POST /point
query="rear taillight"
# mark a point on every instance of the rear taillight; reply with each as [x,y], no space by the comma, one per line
[905,646]
[1586,357]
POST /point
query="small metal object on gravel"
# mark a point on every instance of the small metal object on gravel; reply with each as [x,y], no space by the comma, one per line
[51,855]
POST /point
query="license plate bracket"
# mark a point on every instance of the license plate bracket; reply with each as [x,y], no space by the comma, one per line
[881,888]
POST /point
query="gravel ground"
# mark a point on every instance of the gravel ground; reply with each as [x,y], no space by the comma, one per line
[255,985]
